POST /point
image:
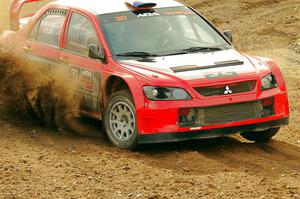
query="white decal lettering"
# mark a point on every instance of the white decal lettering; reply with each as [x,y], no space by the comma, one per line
[149,14]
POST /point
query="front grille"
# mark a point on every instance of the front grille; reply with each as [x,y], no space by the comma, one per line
[225,89]
[229,113]
[192,117]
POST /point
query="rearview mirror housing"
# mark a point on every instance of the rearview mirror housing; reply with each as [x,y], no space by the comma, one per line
[96,52]
[228,35]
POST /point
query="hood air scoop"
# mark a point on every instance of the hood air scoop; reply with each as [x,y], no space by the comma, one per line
[179,69]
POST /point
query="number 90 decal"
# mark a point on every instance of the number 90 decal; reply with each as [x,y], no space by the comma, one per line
[121,18]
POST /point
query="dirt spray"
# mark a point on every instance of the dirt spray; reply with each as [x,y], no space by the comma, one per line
[46,98]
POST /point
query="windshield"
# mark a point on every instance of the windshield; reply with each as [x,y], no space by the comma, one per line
[159,32]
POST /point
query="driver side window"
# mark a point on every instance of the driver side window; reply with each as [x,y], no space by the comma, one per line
[80,35]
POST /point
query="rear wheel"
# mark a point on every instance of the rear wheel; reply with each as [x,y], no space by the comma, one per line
[260,136]
[120,120]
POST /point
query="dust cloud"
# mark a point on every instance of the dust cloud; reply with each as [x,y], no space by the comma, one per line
[44,98]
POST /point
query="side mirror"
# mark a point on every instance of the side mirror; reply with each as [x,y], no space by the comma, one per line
[228,35]
[96,52]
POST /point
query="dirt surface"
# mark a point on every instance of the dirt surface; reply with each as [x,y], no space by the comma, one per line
[36,162]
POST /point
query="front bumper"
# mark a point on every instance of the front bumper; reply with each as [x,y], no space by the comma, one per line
[205,134]
[158,120]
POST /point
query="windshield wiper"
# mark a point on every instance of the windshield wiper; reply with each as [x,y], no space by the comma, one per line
[194,49]
[175,53]
[137,54]
[200,49]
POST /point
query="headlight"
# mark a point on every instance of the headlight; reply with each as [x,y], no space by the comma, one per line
[165,93]
[268,82]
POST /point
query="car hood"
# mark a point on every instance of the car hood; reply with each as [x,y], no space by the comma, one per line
[209,65]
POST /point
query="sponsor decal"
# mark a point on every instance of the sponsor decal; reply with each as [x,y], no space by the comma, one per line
[220,75]
[88,86]
[121,18]
[74,72]
[178,12]
[148,14]
[85,78]
[132,15]
[86,73]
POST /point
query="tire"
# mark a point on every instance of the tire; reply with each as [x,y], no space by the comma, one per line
[120,120]
[260,136]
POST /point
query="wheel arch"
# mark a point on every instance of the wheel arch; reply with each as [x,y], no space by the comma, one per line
[115,83]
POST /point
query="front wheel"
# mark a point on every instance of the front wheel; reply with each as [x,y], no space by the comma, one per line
[120,120]
[260,136]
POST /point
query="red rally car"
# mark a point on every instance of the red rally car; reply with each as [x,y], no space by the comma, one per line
[155,71]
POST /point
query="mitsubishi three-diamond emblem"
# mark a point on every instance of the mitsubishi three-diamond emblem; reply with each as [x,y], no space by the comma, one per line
[227,90]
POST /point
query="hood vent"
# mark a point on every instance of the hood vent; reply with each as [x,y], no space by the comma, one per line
[179,69]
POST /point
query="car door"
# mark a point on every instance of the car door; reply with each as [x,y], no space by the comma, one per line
[80,33]
[42,46]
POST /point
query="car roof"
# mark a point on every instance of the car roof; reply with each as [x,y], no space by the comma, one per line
[110,6]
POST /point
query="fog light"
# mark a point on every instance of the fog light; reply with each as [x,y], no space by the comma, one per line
[268,107]
[268,101]
[184,111]
[187,117]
